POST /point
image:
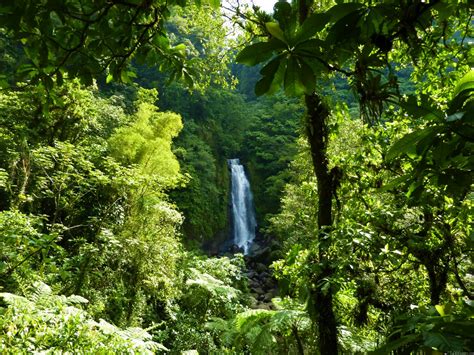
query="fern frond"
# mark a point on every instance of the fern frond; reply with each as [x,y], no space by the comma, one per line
[284,320]
[212,285]
[251,317]
[13,300]
[38,291]
[264,341]
[75,299]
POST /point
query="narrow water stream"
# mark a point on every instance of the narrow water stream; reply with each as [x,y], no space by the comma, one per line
[243,211]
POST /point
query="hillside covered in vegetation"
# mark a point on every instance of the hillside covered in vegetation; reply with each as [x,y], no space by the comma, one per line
[121,123]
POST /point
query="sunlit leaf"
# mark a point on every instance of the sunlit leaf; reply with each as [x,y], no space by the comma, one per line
[407,144]
[444,342]
[440,309]
[312,25]
[465,83]
[274,29]
[293,83]
[258,52]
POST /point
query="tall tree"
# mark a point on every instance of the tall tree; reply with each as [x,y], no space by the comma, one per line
[87,38]
[359,40]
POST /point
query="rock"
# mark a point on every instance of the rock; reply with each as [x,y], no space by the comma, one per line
[268,297]
[266,306]
[253,303]
[262,253]
[269,283]
[253,284]
[235,249]
[260,268]
[255,248]
[259,291]
[251,274]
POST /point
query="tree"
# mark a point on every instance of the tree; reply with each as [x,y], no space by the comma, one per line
[84,192]
[358,40]
[92,38]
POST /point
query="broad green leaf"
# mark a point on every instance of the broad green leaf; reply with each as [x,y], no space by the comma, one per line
[395,183]
[161,41]
[463,328]
[312,25]
[293,84]
[48,82]
[396,344]
[307,76]
[339,11]
[444,9]
[462,93]
[415,110]
[465,83]
[180,49]
[268,72]
[425,143]
[415,190]
[271,67]
[188,79]
[407,144]
[283,14]
[440,309]
[457,182]
[345,29]
[59,78]
[468,116]
[279,76]
[441,152]
[310,48]
[444,342]
[263,85]
[124,77]
[258,52]
[460,100]
[274,29]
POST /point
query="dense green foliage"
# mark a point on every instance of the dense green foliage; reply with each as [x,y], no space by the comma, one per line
[84,39]
[115,188]
[411,199]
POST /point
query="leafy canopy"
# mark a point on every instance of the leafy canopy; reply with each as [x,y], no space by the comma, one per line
[88,38]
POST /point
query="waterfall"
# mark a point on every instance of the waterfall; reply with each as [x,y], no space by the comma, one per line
[243,212]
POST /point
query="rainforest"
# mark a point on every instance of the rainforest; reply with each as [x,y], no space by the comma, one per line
[214,177]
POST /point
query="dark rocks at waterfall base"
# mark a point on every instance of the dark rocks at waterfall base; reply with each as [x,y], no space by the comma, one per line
[235,249]
[262,251]
[263,286]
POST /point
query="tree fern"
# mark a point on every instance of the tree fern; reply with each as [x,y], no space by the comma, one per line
[208,296]
[43,321]
[262,331]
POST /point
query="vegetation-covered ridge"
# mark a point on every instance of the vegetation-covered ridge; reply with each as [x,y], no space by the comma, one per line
[353,119]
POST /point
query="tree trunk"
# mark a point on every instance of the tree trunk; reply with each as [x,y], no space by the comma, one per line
[438,277]
[316,129]
[299,343]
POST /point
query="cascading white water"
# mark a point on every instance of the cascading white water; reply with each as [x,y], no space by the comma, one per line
[243,212]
